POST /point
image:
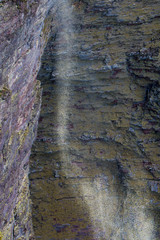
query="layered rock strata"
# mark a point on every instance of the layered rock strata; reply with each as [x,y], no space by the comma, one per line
[24,30]
[95,166]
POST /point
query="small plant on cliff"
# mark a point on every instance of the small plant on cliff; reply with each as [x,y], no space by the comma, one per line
[1,236]
[5,93]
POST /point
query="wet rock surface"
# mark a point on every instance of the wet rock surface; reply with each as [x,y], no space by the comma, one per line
[95,167]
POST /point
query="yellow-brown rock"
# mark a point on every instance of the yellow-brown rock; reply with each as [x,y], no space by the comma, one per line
[95,166]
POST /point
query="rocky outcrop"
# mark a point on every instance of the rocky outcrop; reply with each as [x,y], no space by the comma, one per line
[23,34]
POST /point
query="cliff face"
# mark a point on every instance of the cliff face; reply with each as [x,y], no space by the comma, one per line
[22,39]
[95,164]
[95,167]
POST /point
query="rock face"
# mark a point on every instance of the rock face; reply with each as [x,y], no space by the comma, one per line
[95,166]
[22,39]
